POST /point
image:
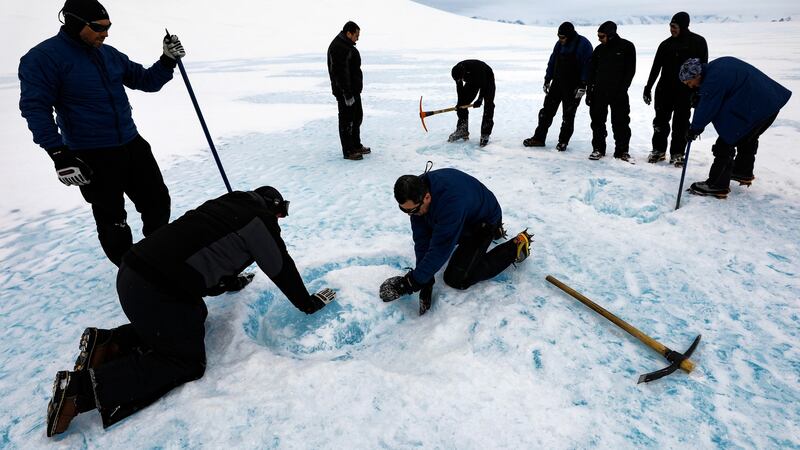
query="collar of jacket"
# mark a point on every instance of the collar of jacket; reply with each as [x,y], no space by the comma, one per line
[74,41]
[346,39]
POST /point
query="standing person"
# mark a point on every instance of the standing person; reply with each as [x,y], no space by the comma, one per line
[344,69]
[742,102]
[98,148]
[673,98]
[473,78]
[568,71]
[613,67]
[451,210]
[161,285]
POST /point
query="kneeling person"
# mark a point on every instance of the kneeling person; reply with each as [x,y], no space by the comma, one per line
[449,210]
[161,285]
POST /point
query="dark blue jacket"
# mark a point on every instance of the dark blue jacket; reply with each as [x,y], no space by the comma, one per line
[459,203]
[581,47]
[86,87]
[735,97]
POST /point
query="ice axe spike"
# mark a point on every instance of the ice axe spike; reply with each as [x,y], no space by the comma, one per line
[424,114]
[677,360]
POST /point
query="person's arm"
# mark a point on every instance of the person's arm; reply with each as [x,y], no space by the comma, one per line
[551,63]
[39,87]
[421,234]
[703,50]
[630,64]
[655,69]
[711,98]
[584,55]
[443,239]
[340,70]
[151,79]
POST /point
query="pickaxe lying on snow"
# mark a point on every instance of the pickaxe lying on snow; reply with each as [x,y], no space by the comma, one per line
[676,359]
[424,114]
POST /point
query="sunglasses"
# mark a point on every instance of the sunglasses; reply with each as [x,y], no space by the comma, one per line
[282,207]
[601,36]
[411,211]
[96,27]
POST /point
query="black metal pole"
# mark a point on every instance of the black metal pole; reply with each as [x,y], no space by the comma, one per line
[203,124]
[683,174]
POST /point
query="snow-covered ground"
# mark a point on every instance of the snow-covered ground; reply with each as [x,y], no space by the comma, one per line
[512,362]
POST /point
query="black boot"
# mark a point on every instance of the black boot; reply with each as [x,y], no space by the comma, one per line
[461,133]
[96,348]
[72,395]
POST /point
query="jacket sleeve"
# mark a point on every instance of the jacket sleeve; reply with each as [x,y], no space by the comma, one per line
[422,237]
[442,241]
[593,67]
[702,49]
[630,64]
[147,80]
[584,56]
[551,63]
[340,70]
[39,87]
[658,62]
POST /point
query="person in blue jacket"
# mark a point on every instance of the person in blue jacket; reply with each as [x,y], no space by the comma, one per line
[568,71]
[449,210]
[93,140]
[741,102]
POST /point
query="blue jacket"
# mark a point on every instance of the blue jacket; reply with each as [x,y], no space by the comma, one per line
[735,97]
[459,203]
[86,87]
[581,47]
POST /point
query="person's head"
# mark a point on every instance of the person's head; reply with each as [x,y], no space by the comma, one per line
[566,31]
[274,200]
[352,31]
[679,23]
[457,72]
[86,20]
[412,195]
[691,73]
[606,31]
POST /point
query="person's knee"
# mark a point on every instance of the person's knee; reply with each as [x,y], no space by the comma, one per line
[455,281]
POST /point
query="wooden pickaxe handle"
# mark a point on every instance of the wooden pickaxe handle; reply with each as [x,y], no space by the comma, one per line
[439,111]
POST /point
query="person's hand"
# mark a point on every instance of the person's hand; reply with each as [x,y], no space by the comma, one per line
[477,103]
[231,283]
[647,96]
[693,134]
[325,295]
[425,298]
[580,92]
[396,287]
[349,101]
[173,48]
[546,87]
[71,170]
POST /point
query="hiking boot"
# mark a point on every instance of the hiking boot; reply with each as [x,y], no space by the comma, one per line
[703,188]
[354,156]
[596,155]
[484,140]
[656,156]
[69,399]
[624,156]
[676,160]
[96,348]
[363,150]
[562,147]
[533,141]
[523,243]
[461,133]
[744,180]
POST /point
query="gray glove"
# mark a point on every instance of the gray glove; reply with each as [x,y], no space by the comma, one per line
[579,93]
[173,48]
[71,170]
[325,296]
[546,87]
[349,101]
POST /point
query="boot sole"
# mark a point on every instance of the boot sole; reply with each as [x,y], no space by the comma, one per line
[719,195]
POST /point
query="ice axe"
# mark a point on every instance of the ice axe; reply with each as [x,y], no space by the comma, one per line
[424,114]
[676,359]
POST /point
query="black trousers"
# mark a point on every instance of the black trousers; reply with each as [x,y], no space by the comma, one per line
[165,344]
[738,158]
[488,92]
[559,94]
[470,263]
[620,121]
[128,169]
[671,104]
[350,118]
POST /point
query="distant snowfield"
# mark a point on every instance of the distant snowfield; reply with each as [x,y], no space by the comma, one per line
[512,362]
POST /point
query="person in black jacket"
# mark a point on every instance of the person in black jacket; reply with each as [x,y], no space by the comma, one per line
[568,70]
[344,69]
[161,285]
[610,76]
[673,98]
[473,78]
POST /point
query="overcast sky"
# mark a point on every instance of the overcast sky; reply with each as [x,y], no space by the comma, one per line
[532,11]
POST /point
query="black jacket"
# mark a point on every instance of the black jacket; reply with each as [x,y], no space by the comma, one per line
[477,76]
[671,54]
[613,66]
[344,67]
[219,238]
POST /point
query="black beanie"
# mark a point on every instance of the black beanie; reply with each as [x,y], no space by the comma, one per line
[681,19]
[609,28]
[567,29]
[88,10]
[457,72]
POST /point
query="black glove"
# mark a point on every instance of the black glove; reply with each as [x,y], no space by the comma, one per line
[477,103]
[71,170]
[325,296]
[580,92]
[426,297]
[231,283]
[546,87]
[693,134]
[647,96]
[396,287]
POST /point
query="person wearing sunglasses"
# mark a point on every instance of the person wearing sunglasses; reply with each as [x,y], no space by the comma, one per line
[450,210]
[161,285]
[93,140]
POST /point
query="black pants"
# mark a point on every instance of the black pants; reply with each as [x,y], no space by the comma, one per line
[470,263]
[129,169]
[738,158]
[671,104]
[488,92]
[350,118]
[559,94]
[620,121]
[166,342]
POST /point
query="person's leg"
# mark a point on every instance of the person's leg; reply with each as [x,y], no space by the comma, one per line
[467,256]
[598,112]
[680,124]
[719,175]
[620,123]
[664,106]
[358,118]
[487,124]
[568,110]
[747,148]
[145,186]
[548,111]
[346,117]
